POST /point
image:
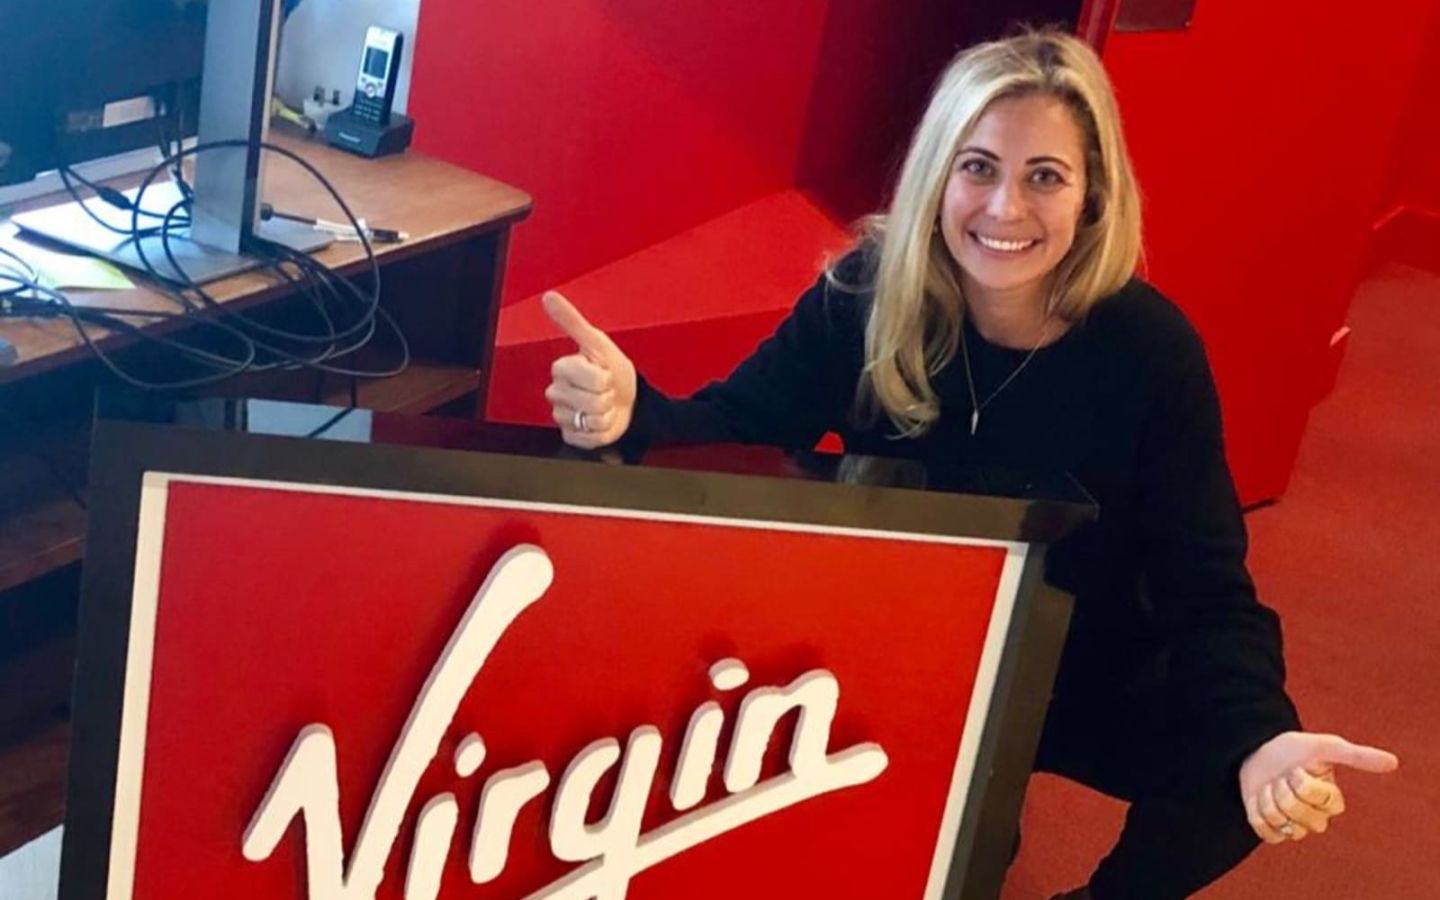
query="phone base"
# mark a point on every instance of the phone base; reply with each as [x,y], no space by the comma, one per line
[346,131]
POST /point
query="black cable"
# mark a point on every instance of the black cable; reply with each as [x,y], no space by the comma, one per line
[79,316]
[18,271]
[33,307]
[331,279]
[324,288]
[46,302]
[294,360]
[55,304]
[174,114]
[209,302]
[304,285]
[331,422]
[318,287]
[403,344]
[182,280]
[111,197]
[272,148]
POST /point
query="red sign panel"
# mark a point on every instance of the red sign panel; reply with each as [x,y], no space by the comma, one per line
[342,693]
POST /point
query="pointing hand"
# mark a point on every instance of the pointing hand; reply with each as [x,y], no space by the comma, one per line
[1289,787]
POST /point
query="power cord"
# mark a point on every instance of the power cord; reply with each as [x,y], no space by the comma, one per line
[42,302]
[346,314]
[111,197]
[16,271]
[369,305]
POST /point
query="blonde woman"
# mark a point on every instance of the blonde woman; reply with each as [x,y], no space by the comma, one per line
[992,315]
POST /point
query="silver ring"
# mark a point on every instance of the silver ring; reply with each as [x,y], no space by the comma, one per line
[579,421]
[1288,829]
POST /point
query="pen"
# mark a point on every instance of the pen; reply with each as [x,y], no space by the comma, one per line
[339,229]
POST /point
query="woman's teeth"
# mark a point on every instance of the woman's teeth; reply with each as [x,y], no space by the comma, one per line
[1003,246]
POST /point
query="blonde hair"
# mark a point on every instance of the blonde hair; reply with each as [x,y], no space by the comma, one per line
[918,307]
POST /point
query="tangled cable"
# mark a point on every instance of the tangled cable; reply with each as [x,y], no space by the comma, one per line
[345,316]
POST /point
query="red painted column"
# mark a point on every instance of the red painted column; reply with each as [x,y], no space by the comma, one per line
[1265,138]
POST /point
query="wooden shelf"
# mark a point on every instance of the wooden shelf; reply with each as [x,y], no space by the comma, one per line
[41,540]
[44,521]
[420,388]
[34,731]
[32,794]
[42,469]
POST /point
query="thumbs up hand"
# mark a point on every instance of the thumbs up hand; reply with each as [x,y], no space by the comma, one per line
[591,392]
[1289,787]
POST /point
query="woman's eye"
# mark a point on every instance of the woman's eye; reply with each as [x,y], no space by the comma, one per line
[1047,177]
[977,167]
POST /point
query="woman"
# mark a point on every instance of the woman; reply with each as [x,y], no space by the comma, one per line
[992,316]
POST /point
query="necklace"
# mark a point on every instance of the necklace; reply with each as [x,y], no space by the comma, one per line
[975,404]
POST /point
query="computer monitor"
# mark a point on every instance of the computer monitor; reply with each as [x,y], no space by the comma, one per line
[86,60]
[90,79]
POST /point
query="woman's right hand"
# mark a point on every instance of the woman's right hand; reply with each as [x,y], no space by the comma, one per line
[592,392]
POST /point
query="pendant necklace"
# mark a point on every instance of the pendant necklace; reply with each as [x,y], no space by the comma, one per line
[975,404]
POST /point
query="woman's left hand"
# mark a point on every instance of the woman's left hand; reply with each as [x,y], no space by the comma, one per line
[1289,787]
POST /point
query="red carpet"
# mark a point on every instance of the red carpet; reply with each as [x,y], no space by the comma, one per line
[1350,558]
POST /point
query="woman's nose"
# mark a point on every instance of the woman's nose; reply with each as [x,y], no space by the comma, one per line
[1006,202]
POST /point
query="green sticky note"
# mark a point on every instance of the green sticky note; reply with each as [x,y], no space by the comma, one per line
[64,272]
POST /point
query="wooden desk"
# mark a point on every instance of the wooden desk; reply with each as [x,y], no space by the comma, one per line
[442,286]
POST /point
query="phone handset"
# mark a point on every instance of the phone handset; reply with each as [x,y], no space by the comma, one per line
[379,71]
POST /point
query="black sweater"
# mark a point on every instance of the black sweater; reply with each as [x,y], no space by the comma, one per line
[1125,403]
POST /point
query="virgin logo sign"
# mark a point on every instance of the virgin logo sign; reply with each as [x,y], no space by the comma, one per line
[648,707]
[612,850]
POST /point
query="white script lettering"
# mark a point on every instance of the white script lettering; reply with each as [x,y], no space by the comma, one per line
[613,850]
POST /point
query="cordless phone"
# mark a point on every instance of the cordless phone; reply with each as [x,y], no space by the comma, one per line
[379,70]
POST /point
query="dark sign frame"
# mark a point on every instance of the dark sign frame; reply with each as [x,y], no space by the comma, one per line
[126,450]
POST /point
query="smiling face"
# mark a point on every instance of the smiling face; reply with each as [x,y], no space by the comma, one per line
[1014,197]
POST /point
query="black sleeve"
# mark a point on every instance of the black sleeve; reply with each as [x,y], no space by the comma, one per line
[797,385]
[1226,665]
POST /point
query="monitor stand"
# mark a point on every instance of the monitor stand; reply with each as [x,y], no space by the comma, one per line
[70,225]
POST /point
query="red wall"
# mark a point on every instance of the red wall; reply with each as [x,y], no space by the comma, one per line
[632,120]
[1409,228]
[1266,139]
[1417,182]
[874,73]
[627,121]
[1269,138]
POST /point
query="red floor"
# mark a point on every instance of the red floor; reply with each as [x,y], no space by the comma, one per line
[1350,558]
